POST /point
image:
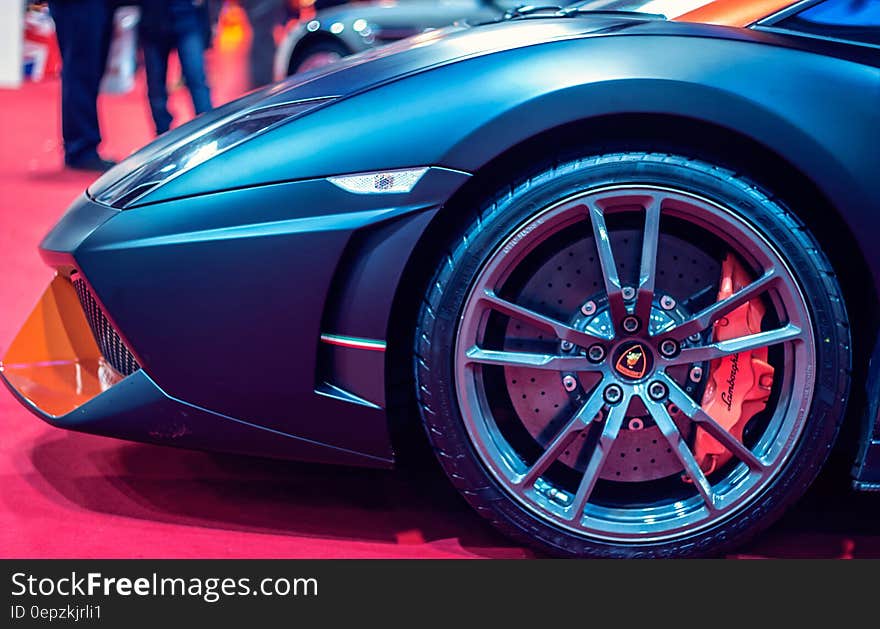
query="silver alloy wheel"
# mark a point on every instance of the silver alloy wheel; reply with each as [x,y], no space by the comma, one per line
[601,410]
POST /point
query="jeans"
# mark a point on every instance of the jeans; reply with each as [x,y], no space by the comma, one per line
[190,47]
[264,16]
[84,29]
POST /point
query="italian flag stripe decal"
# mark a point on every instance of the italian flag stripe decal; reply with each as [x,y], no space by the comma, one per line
[354,342]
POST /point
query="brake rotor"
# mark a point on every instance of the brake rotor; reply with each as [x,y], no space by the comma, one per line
[559,288]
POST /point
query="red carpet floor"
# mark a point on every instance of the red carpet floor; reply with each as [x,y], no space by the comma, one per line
[70,495]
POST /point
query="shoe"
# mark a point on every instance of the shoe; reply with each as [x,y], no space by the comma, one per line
[93,162]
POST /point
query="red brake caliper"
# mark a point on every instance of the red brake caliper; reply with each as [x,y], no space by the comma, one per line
[738,386]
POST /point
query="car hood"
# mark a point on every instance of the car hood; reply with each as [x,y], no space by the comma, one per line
[381,65]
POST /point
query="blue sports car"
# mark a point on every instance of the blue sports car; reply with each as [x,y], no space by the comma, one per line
[621,268]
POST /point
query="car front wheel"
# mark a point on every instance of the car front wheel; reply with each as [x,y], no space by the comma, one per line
[632,355]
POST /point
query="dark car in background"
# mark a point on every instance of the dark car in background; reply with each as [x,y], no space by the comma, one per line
[343,30]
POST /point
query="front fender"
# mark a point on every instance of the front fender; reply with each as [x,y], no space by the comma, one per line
[464,114]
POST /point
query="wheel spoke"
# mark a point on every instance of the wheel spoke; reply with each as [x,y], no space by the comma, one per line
[648,266]
[613,423]
[690,408]
[709,315]
[720,349]
[609,268]
[555,448]
[680,447]
[561,330]
[549,362]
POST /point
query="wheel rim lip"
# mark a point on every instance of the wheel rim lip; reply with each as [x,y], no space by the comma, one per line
[613,524]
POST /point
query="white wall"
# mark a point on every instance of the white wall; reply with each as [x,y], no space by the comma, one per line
[11,34]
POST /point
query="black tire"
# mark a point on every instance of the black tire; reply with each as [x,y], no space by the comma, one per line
[312,48]
[501,216]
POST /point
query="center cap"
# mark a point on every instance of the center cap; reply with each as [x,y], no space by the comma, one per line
[632,360]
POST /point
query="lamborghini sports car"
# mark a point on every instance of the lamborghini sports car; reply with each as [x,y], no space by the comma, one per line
[623,269]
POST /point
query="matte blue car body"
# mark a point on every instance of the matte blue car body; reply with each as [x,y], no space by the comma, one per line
[222,280]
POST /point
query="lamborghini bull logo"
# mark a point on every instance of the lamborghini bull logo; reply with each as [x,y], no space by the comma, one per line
[633,363]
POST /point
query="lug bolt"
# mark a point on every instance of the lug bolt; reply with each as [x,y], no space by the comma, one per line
[567,346]
[589,308]
[628,292]
[631,324]
[667,302]
[636,423]
[657,391]
[668,348]
[696,374]
[570,383]
[613,394]
[596,353]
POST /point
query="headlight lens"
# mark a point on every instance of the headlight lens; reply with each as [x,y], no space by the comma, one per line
[194,150]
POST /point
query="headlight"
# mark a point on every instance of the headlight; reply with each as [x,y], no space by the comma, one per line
[194,150]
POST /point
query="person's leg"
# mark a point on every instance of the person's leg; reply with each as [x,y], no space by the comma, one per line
[84,29]
[191,50]
[263,16]
[156,51]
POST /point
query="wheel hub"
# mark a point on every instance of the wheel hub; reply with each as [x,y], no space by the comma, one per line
[633,360]
[640,452]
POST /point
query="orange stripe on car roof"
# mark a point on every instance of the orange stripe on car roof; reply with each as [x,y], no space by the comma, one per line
[734,12]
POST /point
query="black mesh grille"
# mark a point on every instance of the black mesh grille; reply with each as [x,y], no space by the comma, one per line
[112,348]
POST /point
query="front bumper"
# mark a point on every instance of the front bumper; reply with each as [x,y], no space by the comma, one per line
[201,321]
[55,368]
[54,365]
